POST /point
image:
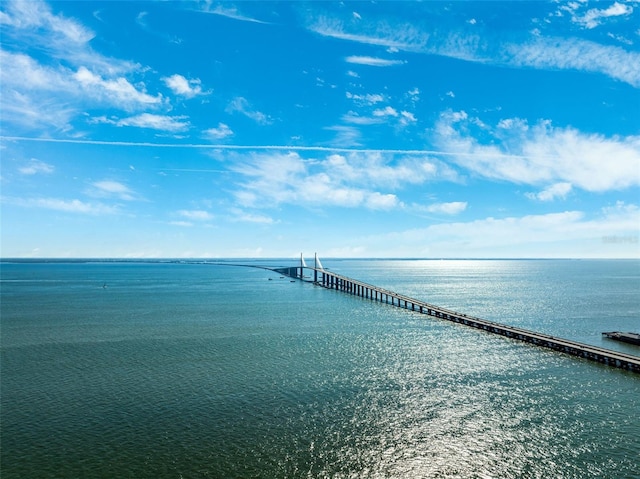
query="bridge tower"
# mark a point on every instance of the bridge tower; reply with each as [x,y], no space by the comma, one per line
[317,266]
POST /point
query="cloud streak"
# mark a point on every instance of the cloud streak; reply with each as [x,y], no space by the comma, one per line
[35,167]
[67,206]
[565,234]
[373,61]
[469,45]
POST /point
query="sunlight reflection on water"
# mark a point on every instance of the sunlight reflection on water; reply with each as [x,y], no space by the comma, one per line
[178,379]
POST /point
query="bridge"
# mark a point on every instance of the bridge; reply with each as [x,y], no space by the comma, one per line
[330,280]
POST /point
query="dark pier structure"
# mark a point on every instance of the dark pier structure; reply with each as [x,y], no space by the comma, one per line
[319,276]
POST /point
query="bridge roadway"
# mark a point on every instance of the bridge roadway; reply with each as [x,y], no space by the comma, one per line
[348,285]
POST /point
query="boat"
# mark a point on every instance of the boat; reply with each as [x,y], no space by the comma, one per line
[632,338]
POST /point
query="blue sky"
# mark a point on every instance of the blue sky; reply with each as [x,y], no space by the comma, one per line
[260,129]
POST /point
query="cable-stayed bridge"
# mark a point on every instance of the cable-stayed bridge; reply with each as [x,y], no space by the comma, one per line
[318,275]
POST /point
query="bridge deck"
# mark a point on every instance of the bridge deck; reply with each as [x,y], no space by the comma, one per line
[348,285]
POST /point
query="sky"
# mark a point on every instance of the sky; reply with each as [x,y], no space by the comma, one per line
[198,129]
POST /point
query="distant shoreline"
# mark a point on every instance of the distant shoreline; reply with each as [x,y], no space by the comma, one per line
[228,261]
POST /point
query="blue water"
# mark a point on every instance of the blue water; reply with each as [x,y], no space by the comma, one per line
[196,370]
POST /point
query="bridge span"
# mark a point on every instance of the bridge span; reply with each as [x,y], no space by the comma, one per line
[330,280]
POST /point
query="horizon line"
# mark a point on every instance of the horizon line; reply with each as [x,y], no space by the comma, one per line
[297,258]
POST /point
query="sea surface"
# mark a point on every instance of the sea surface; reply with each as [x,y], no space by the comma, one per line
[210,370]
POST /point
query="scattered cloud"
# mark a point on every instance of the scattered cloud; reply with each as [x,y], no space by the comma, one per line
[227,10]
[595,16]
[541,153]
[406,118]
[366,99]
[355,180]
[404,36]
[67,206]
[112,189]
[183,87]
[574,54]
[372,61]
[452,208]
[219,133]
[195,215]
[557,190]
[241,105]
[346,136]
[35,167]
[173,124]
[387,111]
[379,201]
[356,119]
[244,217]
[558,234]
[117,90]
[23,72]
[65,76]
[37,15]
[184,224]
[534,52]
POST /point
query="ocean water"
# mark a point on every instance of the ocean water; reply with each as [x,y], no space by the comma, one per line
[154,370]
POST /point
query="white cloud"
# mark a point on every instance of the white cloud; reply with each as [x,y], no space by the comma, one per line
[118,90]
[183,87]
[372,61]
[400,36]
[379,201]
[557,190]
[30,15]
[196,215]
[407,118]
[222,131]
[228,11]
[184,224]
[452,208]
[536,52]
[387,111]
[171,124]
[67,77]
[36,166]
[594,17]
[34,24]
[28,85]
[67,206]
[542,153]
[346,136]
[241,105]
[367,99]
[112,189]
[356,119]
[575,54]
[31,112]
[563,234]
[356,180]
[377,170]
[244,217]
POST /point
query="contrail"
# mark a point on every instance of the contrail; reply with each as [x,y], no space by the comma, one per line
[329,149]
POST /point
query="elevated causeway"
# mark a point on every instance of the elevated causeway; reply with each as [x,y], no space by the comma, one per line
[330,280]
